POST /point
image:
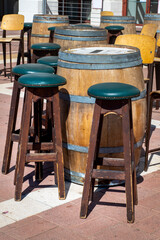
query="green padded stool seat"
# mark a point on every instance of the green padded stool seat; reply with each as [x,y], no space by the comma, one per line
[45,46]
[113,90]
[113,101]
[44,49]
[45,145]
[113,32]
[27,25]
[41,80]
[32,68]
[49,60]
[115,28]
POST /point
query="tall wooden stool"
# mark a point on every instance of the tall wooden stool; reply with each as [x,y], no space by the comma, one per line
[12,132]
[154,96]
[40,86]
[113,32]
[51,61]
[27,29]
[112,97]
[51,36]
[44,49]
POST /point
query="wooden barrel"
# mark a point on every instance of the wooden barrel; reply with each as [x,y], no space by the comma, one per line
[74,36]
[128,22]
[41,23]
[153,18]
[83,67]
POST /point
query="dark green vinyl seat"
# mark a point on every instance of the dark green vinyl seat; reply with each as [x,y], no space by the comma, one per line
[41,80]
[113,90]
[45,46]
[114,28]
[32,68]
[46,143]
[49,60]
[112,99]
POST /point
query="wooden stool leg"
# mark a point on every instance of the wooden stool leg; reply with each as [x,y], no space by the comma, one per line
[148,133]
[11,127]
[128,163]
[37,136]
[58,139]
[134,175]
[21,155]
[90,161]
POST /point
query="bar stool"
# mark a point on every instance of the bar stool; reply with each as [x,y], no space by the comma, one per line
[154,96]
[27,29]
[51,61]
[44,49]
[12,133]
[113,32]
[51,36]
[40,86]
[112,97]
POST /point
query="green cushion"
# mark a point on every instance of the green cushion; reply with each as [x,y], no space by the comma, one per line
[114,27]
[45,46]
[41,80]
[32,68]
[49,60]
[51,28]
[28,25]
[113,90]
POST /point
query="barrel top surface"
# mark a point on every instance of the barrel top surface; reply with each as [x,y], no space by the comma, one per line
[41,80]
[80,31]
[29,68]
[118,17]
[45,46]
[113,90]
[108,57]
[49,16]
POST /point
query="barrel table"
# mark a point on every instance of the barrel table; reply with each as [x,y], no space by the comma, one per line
[74,36]
[153,18]
[83,67]
[128,22]
[41,23]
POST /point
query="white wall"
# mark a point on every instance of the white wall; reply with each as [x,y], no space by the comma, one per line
[113,5]
[30,7]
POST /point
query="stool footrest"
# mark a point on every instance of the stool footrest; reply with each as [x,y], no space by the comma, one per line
[108,174]
[114,162]
[44,146]
[41,157]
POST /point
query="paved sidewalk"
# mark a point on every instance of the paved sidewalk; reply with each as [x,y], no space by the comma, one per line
[40,215]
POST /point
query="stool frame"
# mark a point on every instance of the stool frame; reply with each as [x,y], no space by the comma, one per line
[35,95]
[123,108]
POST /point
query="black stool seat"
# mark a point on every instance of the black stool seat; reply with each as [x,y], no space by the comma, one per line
[45,46]
[111,97]
[113,90]
[41,80]
[49,60]
[32,68]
